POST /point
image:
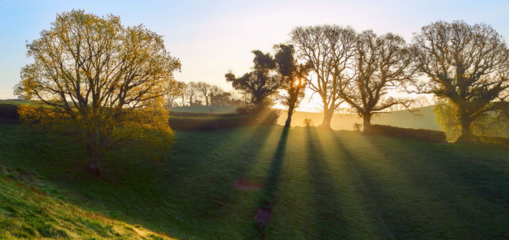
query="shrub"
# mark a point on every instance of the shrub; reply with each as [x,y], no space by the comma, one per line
[411,133]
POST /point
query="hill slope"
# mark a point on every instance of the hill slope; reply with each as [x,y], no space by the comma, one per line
[28,212]
[316,184]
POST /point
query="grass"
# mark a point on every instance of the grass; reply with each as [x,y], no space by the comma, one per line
[30,208]
[318,184]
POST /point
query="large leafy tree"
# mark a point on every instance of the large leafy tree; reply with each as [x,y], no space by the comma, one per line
[261,83]
[293,77]
[100,83]
[380,64]
[328,49]
[468,65]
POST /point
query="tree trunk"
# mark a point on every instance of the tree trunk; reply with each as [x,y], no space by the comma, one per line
[94,161]
[288,122]
[327,117]
[366,123]
[466,134]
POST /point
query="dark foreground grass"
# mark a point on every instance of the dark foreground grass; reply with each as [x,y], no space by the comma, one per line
[318,185]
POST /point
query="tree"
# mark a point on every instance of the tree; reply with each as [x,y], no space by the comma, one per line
[465,64]
[183,94]
[381,63]
[219,97]
[174,93]
[204,89]
[100,83]
[261,83]
[191,93]
[293,78]
[328,49]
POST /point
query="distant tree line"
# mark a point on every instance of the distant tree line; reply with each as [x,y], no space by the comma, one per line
[201,94]
[466,67]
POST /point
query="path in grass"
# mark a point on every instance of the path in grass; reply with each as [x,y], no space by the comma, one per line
[320,185]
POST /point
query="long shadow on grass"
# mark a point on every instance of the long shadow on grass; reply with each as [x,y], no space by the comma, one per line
[470,190]
[268,196]
[329,222]
[416,195]
[368,188]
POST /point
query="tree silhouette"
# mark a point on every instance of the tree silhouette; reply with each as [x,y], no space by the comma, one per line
[381,63]
[261,83]
[328,49]
[466,64]
[293,78]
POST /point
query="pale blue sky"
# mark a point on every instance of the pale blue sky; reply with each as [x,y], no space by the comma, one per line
[212,37]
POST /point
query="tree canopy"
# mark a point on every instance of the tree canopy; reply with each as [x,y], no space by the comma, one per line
[465,64]
[380,64]
[328,50]
[99,82]
[261,83]
[293,78]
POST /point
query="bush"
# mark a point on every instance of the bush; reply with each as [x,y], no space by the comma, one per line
[9,112]
[410,133]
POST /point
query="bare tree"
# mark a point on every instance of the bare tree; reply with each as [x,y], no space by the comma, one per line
[174,93]
[204,90]
[191,93]
[293,78]
[382,63]
[466,64]
[183,94]
[328,49]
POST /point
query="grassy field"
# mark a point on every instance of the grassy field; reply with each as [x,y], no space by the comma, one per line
[318,185]
[30,208]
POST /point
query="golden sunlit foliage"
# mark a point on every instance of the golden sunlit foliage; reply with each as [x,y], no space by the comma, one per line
[494,123]
[99,82]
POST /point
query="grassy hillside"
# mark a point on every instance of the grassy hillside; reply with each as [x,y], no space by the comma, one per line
[317,185]
[30,208]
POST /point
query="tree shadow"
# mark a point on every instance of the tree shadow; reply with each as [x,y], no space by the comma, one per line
[367,188]
[268,199]
[423,190]
[471,183]
[329,221]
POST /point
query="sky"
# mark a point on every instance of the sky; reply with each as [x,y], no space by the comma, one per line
[212,37]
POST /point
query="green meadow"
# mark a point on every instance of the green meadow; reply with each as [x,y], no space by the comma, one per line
[317,184]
